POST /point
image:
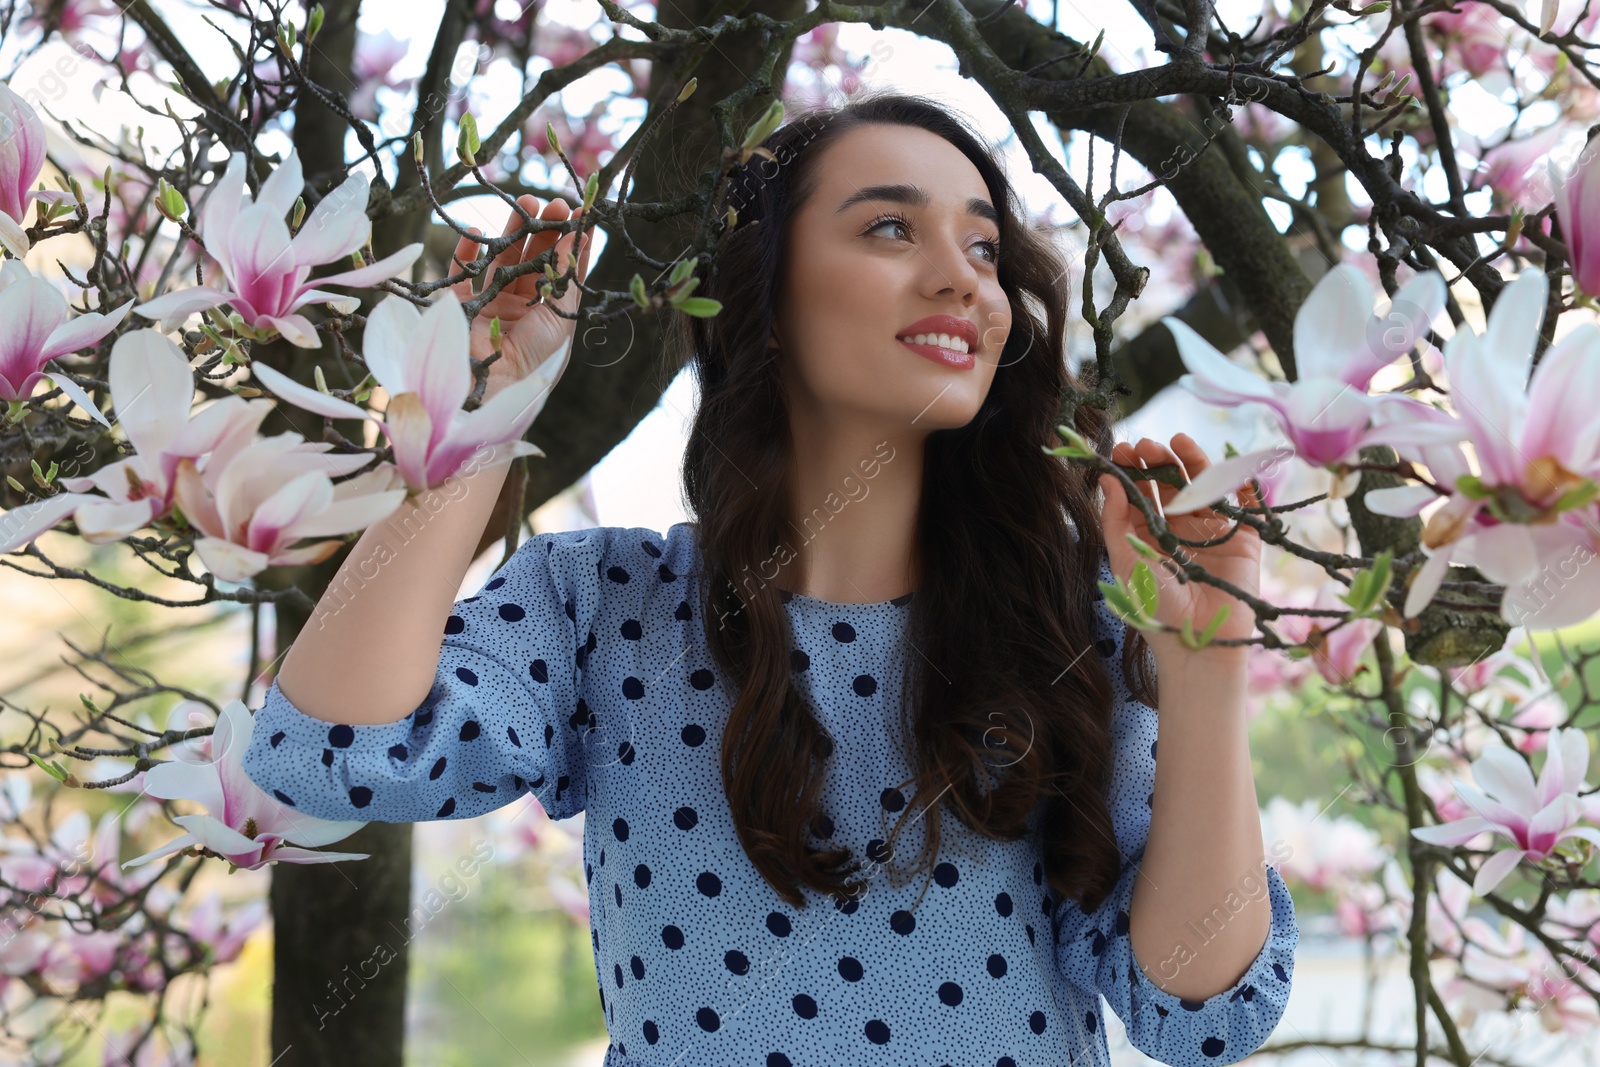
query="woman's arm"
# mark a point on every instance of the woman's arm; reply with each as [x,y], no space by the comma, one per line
[371,648]
[370,651]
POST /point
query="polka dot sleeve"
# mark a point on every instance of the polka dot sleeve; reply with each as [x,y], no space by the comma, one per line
[505,714]
[1095,952]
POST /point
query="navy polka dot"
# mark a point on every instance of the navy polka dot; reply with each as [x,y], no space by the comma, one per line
[580,674]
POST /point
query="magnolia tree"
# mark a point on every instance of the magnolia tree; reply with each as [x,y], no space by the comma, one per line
[239,330]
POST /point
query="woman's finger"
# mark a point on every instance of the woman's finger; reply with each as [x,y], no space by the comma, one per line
[512,254]
[466,251]
[569,301]
[537,244]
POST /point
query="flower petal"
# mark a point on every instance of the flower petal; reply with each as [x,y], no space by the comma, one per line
[1427,581]
[13,238]
[173,308]
[386,345]
[222,206]
[228,561]
[351,514]
[1219,479]
[31,309]
[1214,370]
[84,331]
[338,225]
[290,854]
[152,389]
[283,186]
[76,394]
[389,266]
[1494,871]
[1458,832]
[21,525]
[1330,326]
[1399,501]
[301,396]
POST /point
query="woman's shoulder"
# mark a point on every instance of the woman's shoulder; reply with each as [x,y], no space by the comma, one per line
[621,554]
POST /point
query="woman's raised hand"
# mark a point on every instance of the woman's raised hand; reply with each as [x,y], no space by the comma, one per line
[530,334]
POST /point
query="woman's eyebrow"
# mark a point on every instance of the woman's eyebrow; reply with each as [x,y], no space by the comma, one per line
[915,195]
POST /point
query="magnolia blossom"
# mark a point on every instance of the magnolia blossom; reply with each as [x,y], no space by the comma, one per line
[421,360]
[1508,167]
[241,823]
[1323,850]
[267,270]
[1337,653]
[1538,451]
[1577,196]
[152,391]
[1326,415]
[373,66]
[257,496]
[37,330]
[22,148]
[1535,816]
[224,936]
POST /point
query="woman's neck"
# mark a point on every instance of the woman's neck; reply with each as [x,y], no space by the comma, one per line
[853,497]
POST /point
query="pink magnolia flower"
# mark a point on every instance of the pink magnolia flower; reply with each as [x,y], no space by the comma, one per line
[1537,449]
[21,161]
[152,391]
[1577,196]
[1338,654]
[37,330]
[421,360]
[1474,35]
[1508,167]
[1326,415]
[375,58]
[1323,850]
[241,823]
[257,496]
[1535,816]
[267,270]
[224,937]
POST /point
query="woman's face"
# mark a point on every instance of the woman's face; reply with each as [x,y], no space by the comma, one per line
[899,229]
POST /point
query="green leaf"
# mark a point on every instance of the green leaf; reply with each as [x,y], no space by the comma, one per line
[1144,587]
[636,287]
[682,269]
[700,307]
[1215,624]
[1118,599]
[52,768]
[763,126]
[467,142]
[1578,496]
[591,189]
[1140,547]
[1187,636]
[679,293]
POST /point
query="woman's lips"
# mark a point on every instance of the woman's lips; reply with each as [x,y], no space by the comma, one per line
[948,357]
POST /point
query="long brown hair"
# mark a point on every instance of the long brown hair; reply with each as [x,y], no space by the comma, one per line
[1006,591]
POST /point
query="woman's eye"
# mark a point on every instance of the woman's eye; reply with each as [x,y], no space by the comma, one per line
[891,222]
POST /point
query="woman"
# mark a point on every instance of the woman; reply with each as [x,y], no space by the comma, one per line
[887,612]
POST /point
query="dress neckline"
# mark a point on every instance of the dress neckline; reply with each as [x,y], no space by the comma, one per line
[812,603]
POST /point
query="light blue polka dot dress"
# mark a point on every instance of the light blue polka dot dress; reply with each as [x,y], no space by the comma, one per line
[580,673]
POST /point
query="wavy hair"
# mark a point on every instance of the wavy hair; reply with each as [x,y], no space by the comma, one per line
[1008,540]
